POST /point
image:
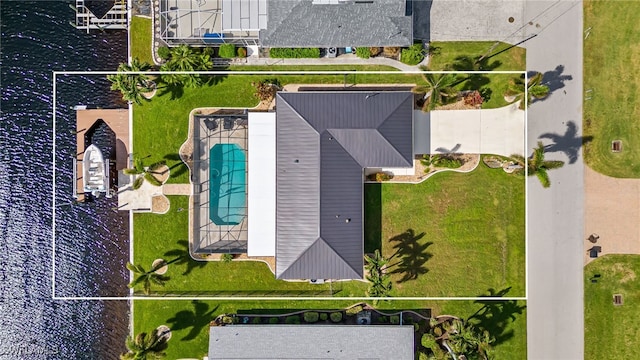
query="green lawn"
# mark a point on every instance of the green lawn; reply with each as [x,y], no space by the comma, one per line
[460,55]
[612,332]
[611,57]
[452,235]
[155,235]
[140,32]
[190,331]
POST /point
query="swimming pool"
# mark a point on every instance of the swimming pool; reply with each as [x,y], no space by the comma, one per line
[228,183]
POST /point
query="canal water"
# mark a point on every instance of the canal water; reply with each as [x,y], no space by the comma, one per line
[92,238]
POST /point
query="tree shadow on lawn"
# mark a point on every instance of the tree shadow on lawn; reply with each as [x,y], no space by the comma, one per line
[475,81]
[179,167]
[495,315]
[183,257]
[176,91]
[372,218]
[196,319]
[568,143]
[412,255]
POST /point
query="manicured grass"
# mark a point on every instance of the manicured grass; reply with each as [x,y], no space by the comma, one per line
[452,235]
[612,103]
[503,57]
[140,32]
[612,332]
[446,54]
[189,321]
[155,235]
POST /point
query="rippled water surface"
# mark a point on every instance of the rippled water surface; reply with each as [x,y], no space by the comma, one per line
[91,239]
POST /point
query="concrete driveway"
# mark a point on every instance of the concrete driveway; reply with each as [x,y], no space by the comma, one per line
[555,321]
[492,131]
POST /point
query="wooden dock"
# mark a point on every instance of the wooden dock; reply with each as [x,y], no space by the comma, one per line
[118,121]
[115,18]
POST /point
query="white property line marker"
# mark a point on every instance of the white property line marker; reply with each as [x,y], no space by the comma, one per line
[240,298]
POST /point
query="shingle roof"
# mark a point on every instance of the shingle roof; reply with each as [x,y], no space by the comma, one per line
[303,23]
[311,342]
[323,142]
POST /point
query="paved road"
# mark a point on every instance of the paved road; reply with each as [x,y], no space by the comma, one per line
[555,321]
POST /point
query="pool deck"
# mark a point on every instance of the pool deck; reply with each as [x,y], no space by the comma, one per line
[118,121]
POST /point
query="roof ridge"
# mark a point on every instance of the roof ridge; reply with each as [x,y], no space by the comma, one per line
[385,121]
[298,113]
[335,252]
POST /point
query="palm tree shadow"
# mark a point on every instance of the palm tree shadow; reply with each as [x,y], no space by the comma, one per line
[496,315]
[179,167]
[196,319]
[175,90]
[468,63]
[568,143]
[554,79]
[182,257]
[412,255]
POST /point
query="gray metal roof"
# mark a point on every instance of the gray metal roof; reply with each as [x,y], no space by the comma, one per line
[323,142]
[311,342]
[308,23]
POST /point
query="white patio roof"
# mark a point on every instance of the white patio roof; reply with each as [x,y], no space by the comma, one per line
[262,184]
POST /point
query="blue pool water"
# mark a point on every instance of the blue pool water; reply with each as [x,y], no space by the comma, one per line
[228,183]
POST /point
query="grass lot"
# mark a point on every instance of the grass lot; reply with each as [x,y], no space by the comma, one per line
[190,330]
[452,235]
[503,58]
[612,332]
[155,235]
[611,65]
[140,32]
[473,241]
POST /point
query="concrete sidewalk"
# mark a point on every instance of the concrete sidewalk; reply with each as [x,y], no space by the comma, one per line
[348,59]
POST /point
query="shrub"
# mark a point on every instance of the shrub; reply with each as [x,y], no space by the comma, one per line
[353,310]
[394,319]
[266,89]
[323,316]
[294,53]
[391,51]
[311,316]
[208,51]
[445,162]
[426,160]
[473,99]
[382,177]
[226,319]
[274,320]
[412,55]
[256,320]
[382,319]
[227,51]
[336,317]
[226,258]
[374,51]
[294,319]
[242,52]
[164,53]
[363,52]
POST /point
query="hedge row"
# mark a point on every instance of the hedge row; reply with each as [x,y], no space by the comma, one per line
[294,53]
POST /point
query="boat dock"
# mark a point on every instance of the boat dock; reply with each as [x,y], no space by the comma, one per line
[118,121]
[115,18]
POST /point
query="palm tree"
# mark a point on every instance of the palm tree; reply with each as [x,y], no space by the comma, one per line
[534,89]
[437,90]
[132,86]
[144,173]
[184,58]
[465,339]
[147,277]
[145,346]
[537,165]
[380,283]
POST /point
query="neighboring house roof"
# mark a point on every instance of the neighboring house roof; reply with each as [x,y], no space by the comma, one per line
[337,23]
[311,342]
[323,142]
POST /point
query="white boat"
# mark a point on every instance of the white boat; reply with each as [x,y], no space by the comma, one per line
[95,177]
